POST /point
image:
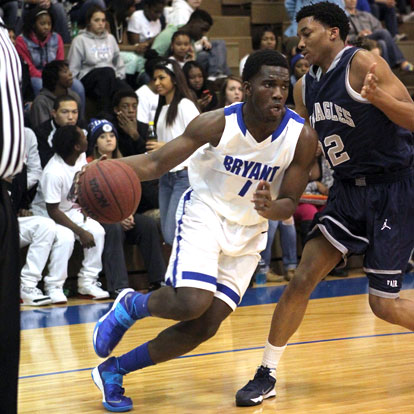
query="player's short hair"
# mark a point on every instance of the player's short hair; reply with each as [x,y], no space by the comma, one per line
[65,139]
[50,73]
[63,98]
[260,58]
[329,14]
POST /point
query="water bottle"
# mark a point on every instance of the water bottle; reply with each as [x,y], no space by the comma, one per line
[261,274]
[152,135]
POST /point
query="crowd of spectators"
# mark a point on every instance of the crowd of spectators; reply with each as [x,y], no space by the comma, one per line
[127,64]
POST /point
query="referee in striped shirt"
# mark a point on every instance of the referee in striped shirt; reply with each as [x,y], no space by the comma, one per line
[11,162]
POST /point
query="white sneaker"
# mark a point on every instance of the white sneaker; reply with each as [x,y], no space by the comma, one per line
[33,296]
[56,294]
[93,289]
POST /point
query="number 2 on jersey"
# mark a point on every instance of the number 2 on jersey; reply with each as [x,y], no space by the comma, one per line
[335,153]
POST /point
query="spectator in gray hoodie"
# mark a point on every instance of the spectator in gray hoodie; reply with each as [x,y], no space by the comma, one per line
[57,81]
[94,58]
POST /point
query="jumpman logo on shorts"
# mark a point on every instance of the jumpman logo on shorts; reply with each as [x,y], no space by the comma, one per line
[385,225]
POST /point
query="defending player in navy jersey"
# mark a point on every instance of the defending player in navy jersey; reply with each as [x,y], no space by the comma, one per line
[364,117]
[251,163]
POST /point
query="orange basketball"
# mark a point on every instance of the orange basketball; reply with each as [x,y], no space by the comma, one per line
[109,191]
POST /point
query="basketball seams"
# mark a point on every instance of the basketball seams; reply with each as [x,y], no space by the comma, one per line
[102,173]
[109,191]
[135,185]
[91,201]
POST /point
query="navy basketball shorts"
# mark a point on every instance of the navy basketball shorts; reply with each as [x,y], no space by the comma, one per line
[376,220]
[212,253]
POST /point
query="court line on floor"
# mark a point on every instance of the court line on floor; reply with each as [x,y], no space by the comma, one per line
[254,348]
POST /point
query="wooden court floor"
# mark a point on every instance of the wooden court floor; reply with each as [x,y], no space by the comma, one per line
[342,360]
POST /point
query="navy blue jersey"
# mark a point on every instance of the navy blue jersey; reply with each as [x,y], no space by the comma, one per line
[358,139]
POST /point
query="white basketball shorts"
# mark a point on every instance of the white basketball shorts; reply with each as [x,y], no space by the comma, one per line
[213,253]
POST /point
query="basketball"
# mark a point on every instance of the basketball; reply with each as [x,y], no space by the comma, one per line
[109,191]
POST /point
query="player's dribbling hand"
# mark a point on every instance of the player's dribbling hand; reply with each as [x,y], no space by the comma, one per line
[370,83]
[262,199]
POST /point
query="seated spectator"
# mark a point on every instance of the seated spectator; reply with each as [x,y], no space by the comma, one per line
[57,11]
[65,112]
[211,55]
[131,142]
[51,200]
[147,94]
[125,104]
[143,26]
[94,58]
[262,38]
[231,91]
[385,10]
[197,81]
[39,45]
[137,229]
[180,49]
[39,233]
[363,24]
[57,80]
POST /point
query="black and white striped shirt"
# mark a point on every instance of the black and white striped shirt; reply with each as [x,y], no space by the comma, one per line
[11,108]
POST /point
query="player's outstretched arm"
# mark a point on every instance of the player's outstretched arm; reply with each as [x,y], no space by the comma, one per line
[294,182]
[371,76]
[206,128]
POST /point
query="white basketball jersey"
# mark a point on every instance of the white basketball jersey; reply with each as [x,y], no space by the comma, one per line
[225,177]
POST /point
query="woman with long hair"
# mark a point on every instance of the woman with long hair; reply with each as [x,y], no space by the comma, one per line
[197,81]
[177,107]
[231,91]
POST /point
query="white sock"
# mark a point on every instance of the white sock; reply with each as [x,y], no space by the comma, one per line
[272,355]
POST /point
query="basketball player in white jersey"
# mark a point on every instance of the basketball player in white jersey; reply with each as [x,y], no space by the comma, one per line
[251,164]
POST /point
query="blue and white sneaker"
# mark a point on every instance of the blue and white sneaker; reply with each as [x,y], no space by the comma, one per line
[108,379]
[111,327]
[262,386]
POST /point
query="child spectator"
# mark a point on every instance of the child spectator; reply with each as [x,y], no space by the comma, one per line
[181,50]
[39,45]
[231,91]
[197,81]
[94,58]
[176,109]
[51,200]
[57,80]
[137,229]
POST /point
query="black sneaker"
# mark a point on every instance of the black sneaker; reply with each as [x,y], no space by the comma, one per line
[262,386]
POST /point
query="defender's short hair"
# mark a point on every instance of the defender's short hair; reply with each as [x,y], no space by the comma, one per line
[329,14]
